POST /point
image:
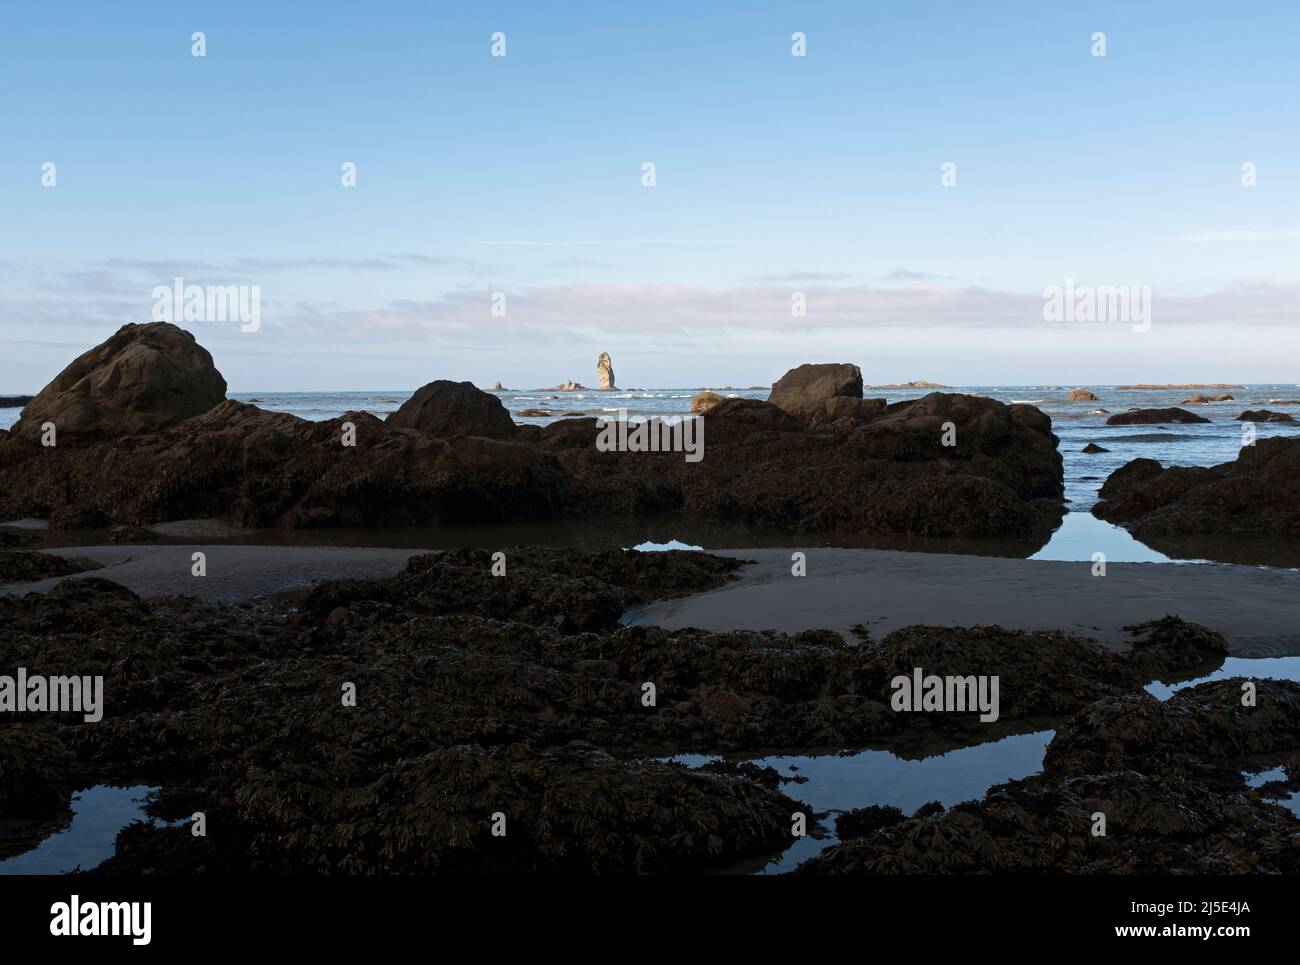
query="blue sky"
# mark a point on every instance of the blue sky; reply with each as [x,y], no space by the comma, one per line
[774,174]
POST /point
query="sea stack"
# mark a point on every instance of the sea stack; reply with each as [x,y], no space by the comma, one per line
[605,371]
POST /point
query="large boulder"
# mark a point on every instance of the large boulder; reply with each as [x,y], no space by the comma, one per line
[445,408]
[808,387]
[704,400]
[1149,417]
[142,379]
[1082,395]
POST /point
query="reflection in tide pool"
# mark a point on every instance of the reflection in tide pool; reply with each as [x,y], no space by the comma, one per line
[1289,801]
[98,813]
[1264,668]
[1082,534]
[842,782]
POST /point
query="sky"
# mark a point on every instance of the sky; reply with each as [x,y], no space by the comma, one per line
[517,182]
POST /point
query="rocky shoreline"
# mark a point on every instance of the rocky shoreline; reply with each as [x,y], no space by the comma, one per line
[522,696]
[143,435]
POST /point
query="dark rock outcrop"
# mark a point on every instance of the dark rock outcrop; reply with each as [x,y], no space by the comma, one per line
[1146,417]
[826,397]
[256,468]
[808,387]
[444,408]
[25,566]
[1092,447]
[142,379]
[1265,415]
[942,465]
[15,401]
[892,474]
[1257,494]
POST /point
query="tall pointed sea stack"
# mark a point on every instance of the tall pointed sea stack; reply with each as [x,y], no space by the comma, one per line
[605,371]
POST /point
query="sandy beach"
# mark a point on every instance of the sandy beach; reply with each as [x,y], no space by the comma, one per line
[1254,607]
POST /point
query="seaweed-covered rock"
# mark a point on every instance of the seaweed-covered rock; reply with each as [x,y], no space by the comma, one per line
[24,566]
[35,772]
[1257,494]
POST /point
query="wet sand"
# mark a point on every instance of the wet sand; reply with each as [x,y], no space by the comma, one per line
[1255,608]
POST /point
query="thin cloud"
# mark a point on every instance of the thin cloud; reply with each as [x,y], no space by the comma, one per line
[1289,234]
[904,274]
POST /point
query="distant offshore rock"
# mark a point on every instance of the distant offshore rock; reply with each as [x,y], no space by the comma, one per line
[14,401]
[605,372]
[496,387]
[1082,395]
[1203,399]
[568,385]
[141,379]
[1142,386]
[918,384]
[1092,447]
[1146,417]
